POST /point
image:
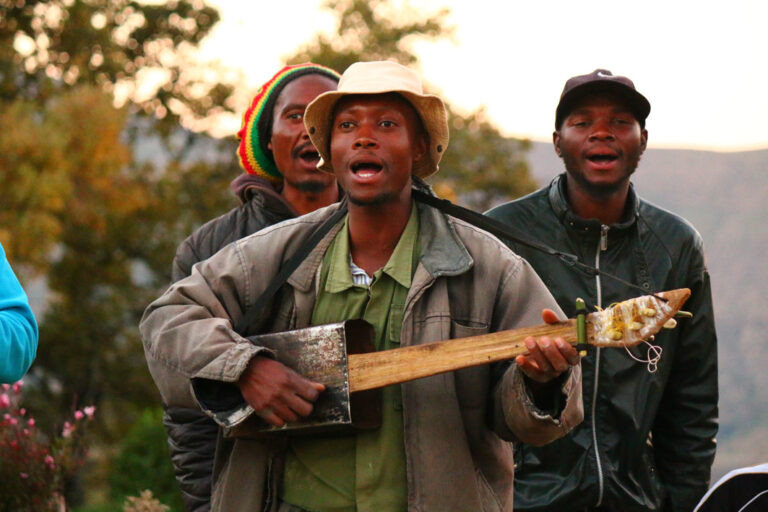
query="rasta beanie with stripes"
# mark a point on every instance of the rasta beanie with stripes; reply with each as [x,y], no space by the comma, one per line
[256,129]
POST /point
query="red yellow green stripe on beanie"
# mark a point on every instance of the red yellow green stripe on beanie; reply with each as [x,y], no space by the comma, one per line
[256,129]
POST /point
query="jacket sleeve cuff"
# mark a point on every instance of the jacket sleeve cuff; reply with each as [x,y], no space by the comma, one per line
[524,421]
[221,398]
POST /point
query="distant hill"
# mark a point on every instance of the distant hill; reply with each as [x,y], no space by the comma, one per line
[725,195]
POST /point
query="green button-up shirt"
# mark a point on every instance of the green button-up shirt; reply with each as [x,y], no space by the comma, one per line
[364,471]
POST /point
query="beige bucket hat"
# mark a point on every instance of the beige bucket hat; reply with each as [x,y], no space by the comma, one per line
[380,77]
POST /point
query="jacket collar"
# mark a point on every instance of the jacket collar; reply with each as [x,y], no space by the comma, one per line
[558,199]
[442,251]
[249,187]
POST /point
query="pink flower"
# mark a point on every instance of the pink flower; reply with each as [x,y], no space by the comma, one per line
[89,410]
[12,421]
[49,461]
[22,411]
[79,415]
[31,422]
[4,400]
[23,475]
[67,430]
[18,385]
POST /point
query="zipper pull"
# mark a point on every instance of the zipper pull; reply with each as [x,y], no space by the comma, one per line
[604,237]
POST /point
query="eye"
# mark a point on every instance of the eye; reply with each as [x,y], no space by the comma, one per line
[386,123]
[296,116]
[346,125]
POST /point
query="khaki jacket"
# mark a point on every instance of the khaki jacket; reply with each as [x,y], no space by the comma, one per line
[456,424]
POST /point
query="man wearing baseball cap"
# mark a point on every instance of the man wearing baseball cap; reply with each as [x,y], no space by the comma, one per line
[414,274]
[648,439]
[281,181]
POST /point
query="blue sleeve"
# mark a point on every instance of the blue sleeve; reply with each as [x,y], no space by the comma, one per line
[18,328]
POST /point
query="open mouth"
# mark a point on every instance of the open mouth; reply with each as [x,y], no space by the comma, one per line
[364,168]
[309,155]
[602,158]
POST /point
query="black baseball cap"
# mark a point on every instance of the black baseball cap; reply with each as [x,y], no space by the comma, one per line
[601,80]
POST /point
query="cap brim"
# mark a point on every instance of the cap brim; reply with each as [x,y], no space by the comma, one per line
[640,106]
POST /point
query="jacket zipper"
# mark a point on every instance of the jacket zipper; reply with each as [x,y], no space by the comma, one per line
[602,246]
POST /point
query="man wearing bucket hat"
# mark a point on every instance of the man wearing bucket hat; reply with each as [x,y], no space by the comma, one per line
[648,439]
[281,181]
[417,276]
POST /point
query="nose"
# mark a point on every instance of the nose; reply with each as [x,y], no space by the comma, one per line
[365,142]
[601,130]
[365,138]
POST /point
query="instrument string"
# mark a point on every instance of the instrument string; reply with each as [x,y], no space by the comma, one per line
[653,356]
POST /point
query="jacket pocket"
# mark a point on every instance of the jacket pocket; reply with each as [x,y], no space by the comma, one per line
[466,328]
[472,384]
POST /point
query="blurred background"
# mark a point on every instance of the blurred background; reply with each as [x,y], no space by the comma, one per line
[116,142]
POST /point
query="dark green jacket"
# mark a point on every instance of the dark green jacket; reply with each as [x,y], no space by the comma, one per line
[648,439]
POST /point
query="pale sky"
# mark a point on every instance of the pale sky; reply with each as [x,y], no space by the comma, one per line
[703,65]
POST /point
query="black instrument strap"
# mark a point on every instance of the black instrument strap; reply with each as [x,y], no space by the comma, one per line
[502,230]
[288,268]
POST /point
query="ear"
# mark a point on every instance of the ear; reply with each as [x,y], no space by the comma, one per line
[556,143]
[269,145]
[643,140]
[420,148]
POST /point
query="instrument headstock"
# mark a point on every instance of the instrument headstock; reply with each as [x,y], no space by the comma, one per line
[633,321]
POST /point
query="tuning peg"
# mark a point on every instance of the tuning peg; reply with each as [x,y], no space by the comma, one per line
[670,324]
[683,314]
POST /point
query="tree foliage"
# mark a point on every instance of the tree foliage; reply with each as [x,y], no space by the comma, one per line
[78,206]
[481,167]
[371,30]
[140,52]
[96,198]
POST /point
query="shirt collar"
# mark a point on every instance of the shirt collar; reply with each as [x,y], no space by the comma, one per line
[399,267]
[400,264]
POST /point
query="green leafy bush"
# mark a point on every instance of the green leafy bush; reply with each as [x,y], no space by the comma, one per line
[143,462]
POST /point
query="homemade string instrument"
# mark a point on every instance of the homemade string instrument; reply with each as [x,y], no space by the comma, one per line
[341,356]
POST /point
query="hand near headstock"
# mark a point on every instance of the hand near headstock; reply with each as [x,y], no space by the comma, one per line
[547,357]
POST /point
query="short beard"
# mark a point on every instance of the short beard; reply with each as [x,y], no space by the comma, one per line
[310,186]
[376,201]
[600,190]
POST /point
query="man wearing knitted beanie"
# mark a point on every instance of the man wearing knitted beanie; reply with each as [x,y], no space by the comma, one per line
[281,182]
